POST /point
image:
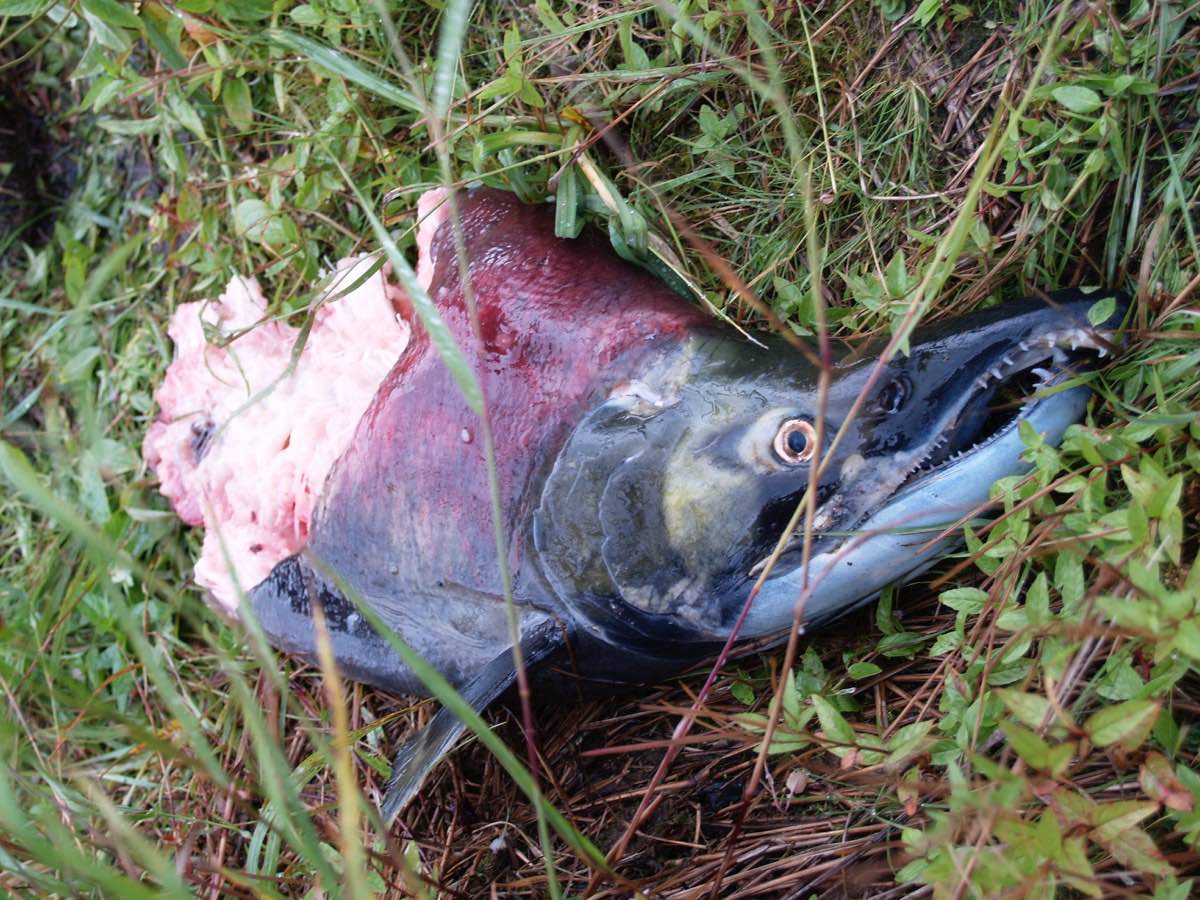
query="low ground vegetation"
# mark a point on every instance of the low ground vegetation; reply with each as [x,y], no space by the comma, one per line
[1022,722]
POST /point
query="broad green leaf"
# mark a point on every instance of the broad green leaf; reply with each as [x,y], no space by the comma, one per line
[1126,723]
[306,14]
[946,642]
[1077,98]
[907,740]
[113,13]
[1102,310]
[861,670]
[185,114]
[257,221]
[235,95]
[1027,744]
[967,600]
[834,725]
[1037,601]
[1033,710]
[23,7]
[743,692]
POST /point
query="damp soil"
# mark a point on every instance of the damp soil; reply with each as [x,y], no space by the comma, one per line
[37,166]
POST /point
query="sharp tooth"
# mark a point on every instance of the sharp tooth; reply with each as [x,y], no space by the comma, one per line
[1024,345]
[1044,375]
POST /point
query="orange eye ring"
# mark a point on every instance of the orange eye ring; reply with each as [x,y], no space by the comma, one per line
[795,442]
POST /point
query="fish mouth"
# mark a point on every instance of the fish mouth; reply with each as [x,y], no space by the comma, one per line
[1007,393]
[1030,376]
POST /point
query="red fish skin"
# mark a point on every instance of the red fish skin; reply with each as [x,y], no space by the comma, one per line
[405,514]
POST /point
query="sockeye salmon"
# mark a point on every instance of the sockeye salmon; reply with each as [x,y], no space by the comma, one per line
[648,458]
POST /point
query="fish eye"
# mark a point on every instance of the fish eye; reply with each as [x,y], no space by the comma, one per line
[795,442]
[892,395]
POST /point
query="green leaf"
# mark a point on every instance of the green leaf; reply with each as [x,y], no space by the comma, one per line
[743,692]
[1033,710]
[908,740]
[111,37]
[926,10]
[885,621]
[1187,638]
[1068,579]
[834,725]
[22,7]
[1027,744]
[235,95]
[946,642]
[1077,98]
[1015,618]
[567,222]
[1126,723]
[792,700]
[896,276]
[967,600]
[902,645]
[1111,819]
[1037,601]
[1102,310]
[113,13]
[185,114]
[307,14]
[861,670]
[108,268]
[1059,758]
[79,366]
[257,221]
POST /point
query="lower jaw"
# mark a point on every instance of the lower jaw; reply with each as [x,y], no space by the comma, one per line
[902,539]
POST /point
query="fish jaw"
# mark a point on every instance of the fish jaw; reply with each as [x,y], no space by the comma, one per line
[911,532]
[892,520]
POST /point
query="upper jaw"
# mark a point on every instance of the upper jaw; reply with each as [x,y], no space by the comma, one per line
[1031,364]
[1006,392]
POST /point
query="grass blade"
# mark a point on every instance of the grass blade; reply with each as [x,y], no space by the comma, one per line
[335,62]
[455,17]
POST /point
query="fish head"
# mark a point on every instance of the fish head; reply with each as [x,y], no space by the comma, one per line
[671,497]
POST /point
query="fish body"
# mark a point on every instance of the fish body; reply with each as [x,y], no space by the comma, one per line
[648,463]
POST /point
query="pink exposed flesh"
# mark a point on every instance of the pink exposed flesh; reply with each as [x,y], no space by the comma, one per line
[273,439]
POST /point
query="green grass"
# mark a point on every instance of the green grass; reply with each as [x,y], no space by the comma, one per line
[1022,723]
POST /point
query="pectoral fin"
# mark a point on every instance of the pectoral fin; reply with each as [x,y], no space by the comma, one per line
[421,752]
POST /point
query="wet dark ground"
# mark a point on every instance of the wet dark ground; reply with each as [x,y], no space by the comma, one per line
[37,167]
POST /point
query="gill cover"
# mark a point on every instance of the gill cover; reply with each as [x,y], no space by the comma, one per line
[661,499]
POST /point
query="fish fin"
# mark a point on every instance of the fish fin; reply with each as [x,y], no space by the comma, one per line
[421,752]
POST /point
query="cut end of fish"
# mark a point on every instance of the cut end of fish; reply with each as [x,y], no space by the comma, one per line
[242,442]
